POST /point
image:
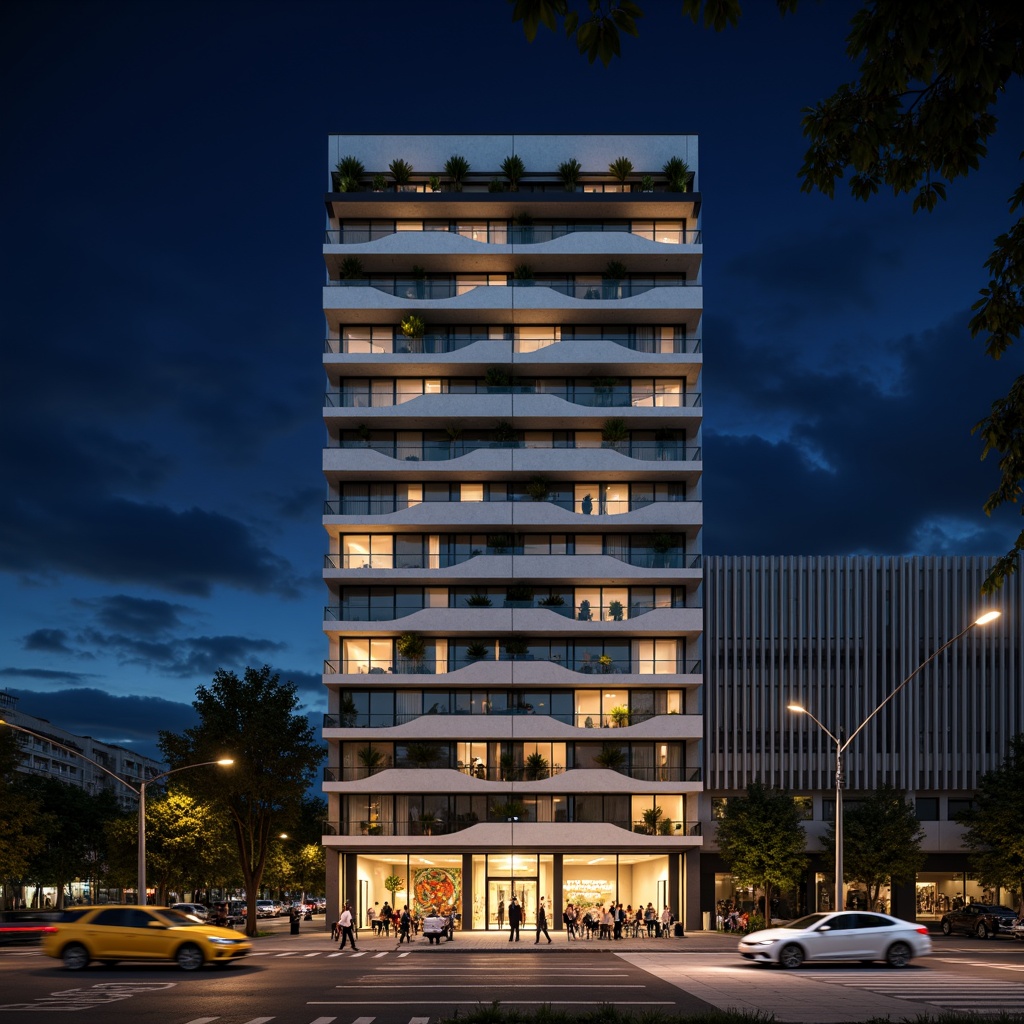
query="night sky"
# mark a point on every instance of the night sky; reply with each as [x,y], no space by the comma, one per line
[163,173]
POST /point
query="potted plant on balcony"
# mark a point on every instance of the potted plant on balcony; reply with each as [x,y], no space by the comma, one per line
[523,229]
[498,543]
[538,489]
[371,759]
[349,172]
[495,185]
[419,277]
[584,613]
[402,173]
[552,601]
[476,650]
[614,433]
[587,505]
[454,432]
[351,268]
[661,545]
[570,172]
[677,174]
[456,168]
[505,435]
[497,379]
[606,663]
[478,601]
[535,767]
[615,610]
[523,274]
[652,822]
[647,183]
[413,328]
[412,647]
[620,169]
[513,168]
[508,810]
[379,183]
[519,596]
[435,183]
[619,714]
[614,274]
[515,647]
[611,757]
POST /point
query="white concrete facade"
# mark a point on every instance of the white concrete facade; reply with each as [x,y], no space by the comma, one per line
[513,519]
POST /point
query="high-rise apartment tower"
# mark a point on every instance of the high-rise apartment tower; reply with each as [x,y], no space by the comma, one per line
[513,465]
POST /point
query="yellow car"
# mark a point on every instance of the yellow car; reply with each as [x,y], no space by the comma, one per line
[113,933]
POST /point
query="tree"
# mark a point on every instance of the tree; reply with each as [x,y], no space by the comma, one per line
[762,840]
[186,845]
[255,721]
[72,831]
[881,841]
[993,832]
[393,884]
[21,837]
[918,115]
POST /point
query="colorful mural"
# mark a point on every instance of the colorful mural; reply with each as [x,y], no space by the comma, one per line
[439,888]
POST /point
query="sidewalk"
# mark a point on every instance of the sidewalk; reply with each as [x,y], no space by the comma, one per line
[316,936]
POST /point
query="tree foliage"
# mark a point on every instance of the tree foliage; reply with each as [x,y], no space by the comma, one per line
[762,840]
[881,841]
[993,833]
[254,720]
[21,837]
[917,117]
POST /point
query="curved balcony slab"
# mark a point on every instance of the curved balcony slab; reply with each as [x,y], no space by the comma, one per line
[484,515]
[515,673]
[595,837]
[535,728]
[658,622]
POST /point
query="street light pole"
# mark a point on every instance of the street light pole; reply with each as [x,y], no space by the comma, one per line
[982,620]
[140,792]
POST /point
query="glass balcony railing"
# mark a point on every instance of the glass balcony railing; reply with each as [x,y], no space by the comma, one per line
[583,612]
[439,827]
[641,557]
[583,665]
[439,344]
[443,451]
[502,234]
[596,397]
[450,289]
[367,506]
[494,773]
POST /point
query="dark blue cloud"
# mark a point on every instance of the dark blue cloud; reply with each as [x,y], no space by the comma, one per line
[45,675]
[51,640]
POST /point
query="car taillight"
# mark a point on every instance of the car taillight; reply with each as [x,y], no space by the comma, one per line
[922,931]
[50,930]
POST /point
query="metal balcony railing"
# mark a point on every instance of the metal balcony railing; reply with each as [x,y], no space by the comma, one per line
[594,397]
[442,343]
[584,665]
[449,289]
[615,611]
[429,826]
[498,233]
[643,558]
[443,451]
[494,773]
[375,506]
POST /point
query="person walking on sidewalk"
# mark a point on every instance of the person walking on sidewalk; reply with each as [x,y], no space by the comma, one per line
[404,927]
[347,931]
[515,919]
[542,923]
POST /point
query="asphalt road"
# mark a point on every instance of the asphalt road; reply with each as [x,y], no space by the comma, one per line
[286,982]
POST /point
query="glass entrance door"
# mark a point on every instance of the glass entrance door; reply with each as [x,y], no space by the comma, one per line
[499,895]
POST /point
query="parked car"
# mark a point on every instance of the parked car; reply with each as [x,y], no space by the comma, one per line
[1018,929]
[981,919]
[112,933]
[844,935]
[264,908]
[278,908]
[24,927]
[197,910]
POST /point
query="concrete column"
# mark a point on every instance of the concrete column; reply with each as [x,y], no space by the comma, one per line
[557,898]
[333,883]
[691,912]
[675,893]
[467,891]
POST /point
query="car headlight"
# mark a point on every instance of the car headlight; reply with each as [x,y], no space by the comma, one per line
[758,942]
[218,941]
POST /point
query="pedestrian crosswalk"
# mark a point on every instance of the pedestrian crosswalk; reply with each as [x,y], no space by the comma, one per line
[314,1020]
[946,992]
[298,954]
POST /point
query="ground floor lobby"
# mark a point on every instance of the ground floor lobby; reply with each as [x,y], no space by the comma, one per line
[479,887]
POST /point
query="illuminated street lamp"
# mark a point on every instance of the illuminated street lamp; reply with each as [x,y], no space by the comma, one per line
[982,620]
[140,792]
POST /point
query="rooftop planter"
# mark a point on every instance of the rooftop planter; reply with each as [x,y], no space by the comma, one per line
[513,168]
[348,174]
[456,168]
[402,173]
[570,172]
[677,174]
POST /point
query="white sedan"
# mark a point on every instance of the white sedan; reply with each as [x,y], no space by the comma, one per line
[846,935]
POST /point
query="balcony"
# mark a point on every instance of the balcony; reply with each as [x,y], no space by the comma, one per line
[642,558]
[441,343]
[583,395]
[499,233]
[410,289]
[446,451]
[584,665]
[494,773]
[438,827]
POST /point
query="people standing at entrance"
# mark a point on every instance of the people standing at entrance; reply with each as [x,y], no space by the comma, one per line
[651,919]
[607,923]
[618,916]
[666,922]
[371,918]
[404,926]
[542,923]
[384,921]
[569,917]
[515,919]
[347,931]
[501,913]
